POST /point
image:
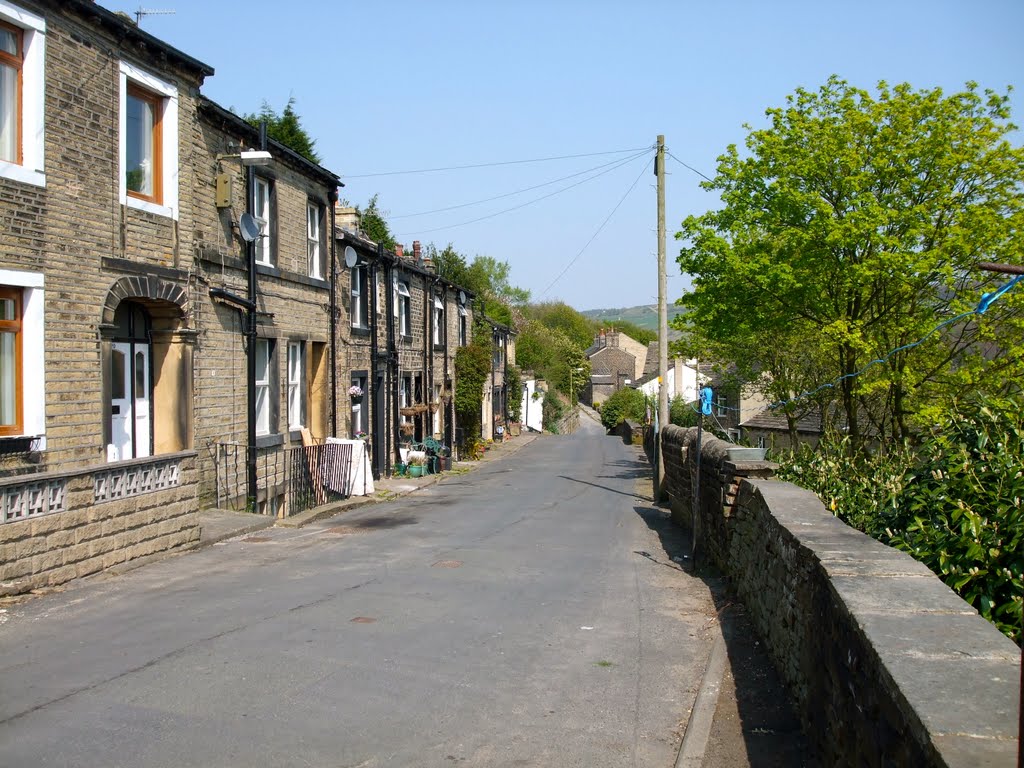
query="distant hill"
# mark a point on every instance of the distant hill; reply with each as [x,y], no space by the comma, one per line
[645,316]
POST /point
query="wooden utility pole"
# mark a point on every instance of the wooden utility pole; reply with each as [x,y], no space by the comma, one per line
[663,418]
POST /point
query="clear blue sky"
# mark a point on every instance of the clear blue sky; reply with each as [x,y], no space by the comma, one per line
[398,86]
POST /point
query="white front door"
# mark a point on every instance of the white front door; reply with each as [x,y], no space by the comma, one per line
[129,400]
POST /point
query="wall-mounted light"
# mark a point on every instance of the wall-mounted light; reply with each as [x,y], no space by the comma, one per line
[250,158]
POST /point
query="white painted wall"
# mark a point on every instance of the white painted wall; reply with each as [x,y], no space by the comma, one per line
[531,412]
[683,373]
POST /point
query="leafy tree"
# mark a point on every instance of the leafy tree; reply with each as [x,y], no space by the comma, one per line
[514,387]
[375,225]
[626,403]
[472,367]
[285,128]
[858,221]
[558,316]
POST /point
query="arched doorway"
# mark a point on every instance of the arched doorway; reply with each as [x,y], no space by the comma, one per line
[146,350]
[131,387]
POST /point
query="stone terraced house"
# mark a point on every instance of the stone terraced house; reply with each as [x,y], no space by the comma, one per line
[404,325]
[98,333]
[170,333]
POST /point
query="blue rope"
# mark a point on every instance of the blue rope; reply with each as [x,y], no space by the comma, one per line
[987,299]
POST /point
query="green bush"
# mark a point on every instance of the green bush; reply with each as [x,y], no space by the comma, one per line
[627,403]
[953,502]
[552,411]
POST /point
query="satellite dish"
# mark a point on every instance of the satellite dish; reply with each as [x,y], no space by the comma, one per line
[351,257]
[462,297]
[248,228]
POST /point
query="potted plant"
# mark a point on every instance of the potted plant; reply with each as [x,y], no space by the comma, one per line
[417,466]
[355,392]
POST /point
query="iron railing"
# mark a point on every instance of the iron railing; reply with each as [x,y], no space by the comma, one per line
[288,480]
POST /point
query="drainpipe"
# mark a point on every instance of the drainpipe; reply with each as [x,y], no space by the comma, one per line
[449,421]
[392,356]
[371,410]
[332,199]
[250,332]
[428,310]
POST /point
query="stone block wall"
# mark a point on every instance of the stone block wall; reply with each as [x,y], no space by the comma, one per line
[887,665]
[62,526]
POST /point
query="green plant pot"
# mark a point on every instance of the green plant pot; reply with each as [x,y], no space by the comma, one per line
[401,468]
[416,470]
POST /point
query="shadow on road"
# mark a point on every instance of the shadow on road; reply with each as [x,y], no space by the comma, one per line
[754,723]
[606,488]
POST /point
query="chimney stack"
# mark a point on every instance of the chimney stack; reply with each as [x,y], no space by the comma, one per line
[400,250]
[346,217]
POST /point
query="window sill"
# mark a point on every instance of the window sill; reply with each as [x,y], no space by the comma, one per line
[269,441]
[149,207]
[360,330]
[16,172]
[267,269]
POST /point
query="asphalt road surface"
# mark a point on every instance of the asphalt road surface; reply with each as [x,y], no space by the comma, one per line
[522,614]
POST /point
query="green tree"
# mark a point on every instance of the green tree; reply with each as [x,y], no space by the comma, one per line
[860,220]
[286,128]
[626,403]
[374,224]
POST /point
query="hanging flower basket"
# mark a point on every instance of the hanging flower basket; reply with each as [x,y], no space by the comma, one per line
[355,392]
[419,408]
[432,407]
[407,429]
[407,411]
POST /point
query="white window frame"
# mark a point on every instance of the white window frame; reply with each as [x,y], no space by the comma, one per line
[264,386]
[33,352]
[405,396]
[357,307]
[313,250]
[438,321]
[721,406]
[356,418]
[31,169]
[296,385]
[264,244]
[404,309]
[168,205]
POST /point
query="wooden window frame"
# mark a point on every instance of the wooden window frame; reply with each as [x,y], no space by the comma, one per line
[17,62]
[156,103]
[15,327]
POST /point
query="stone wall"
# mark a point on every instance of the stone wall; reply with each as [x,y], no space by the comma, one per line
[61,526]
[887,665]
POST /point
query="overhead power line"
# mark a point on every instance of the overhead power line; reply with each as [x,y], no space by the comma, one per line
[598,231]
[492,165]
[518,191]
[618,164]
[688,167]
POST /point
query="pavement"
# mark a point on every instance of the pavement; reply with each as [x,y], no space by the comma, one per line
[218,525]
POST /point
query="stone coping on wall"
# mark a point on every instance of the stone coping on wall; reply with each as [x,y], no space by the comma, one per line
[94,468]
[951,675]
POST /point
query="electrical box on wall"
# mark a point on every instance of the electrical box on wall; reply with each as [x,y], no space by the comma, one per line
[223,194]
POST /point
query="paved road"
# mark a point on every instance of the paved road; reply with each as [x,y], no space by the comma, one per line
[499,618]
